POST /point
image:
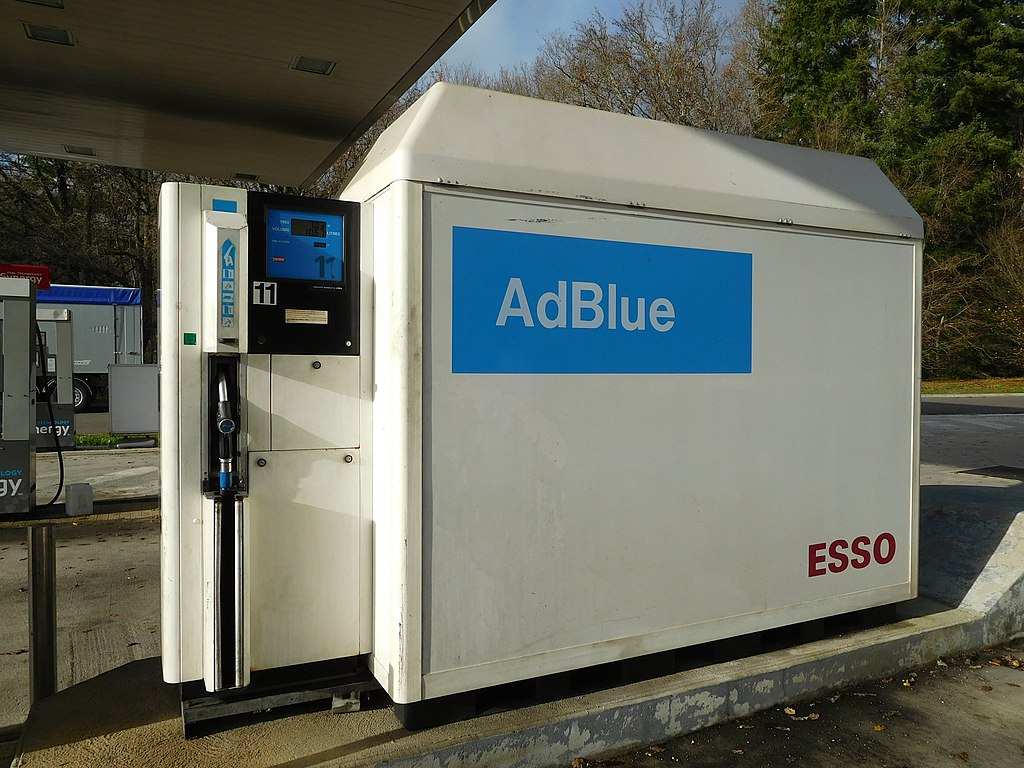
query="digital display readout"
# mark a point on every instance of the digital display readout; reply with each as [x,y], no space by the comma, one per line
[305,245]
[309,228]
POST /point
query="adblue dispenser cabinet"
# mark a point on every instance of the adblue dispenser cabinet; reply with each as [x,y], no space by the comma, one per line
[616,387]
[631,382]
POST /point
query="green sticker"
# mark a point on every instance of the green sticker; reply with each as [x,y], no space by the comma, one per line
[189,339]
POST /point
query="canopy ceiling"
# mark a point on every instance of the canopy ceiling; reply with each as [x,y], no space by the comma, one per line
[212,88]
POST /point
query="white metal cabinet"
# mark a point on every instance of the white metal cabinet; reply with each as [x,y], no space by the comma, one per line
[593,517]
[303,510]
[314,401]
[535,511]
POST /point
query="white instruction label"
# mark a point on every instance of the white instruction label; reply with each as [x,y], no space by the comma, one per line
[309,316]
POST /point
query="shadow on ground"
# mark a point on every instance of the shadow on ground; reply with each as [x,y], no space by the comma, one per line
[127,697]
[961,528]
[947,408]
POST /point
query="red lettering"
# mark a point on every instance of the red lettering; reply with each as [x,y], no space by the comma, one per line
[890,547]
[861,553]
[839,559]
[838,555]
[816,559]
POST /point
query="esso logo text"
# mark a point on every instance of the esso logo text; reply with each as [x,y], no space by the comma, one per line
[860,552]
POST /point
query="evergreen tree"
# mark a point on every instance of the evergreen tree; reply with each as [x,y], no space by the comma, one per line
[816,63]
[954,132]
[933,90]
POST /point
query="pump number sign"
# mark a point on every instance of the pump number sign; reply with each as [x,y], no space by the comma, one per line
[264,294]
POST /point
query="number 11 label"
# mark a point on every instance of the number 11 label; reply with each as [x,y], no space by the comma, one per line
[264,293]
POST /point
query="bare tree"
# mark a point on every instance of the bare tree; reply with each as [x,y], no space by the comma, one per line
[659,59]
[671,60]
[951,316]
[334,180]
[744,75]
[1004,309]
[89,223]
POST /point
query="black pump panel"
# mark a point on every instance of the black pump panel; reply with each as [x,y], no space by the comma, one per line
[304,275]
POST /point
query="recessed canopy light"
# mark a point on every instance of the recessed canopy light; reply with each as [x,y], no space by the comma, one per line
[45,34]
[247,177]
[47,3]
[76,149]
[313,65]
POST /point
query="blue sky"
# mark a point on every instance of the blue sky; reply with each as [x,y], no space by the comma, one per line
[513,31]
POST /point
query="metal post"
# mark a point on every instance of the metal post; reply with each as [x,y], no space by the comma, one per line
[42,598]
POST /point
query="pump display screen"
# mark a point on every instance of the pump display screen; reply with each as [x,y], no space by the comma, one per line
[305,245]
[309,228]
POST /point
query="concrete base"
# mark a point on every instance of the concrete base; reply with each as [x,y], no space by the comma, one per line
[972,579]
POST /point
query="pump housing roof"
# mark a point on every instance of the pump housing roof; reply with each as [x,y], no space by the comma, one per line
[476,138]
[274,89]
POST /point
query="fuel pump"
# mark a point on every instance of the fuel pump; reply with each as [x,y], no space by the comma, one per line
[18,387]
[224,248]
[261,389]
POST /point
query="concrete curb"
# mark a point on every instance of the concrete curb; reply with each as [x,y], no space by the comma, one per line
[656,710]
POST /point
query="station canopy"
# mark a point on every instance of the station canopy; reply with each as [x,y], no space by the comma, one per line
[271,90]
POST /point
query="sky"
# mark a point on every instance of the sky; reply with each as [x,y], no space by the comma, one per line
[513,31]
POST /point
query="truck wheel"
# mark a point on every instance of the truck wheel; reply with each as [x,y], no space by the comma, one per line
[82,394]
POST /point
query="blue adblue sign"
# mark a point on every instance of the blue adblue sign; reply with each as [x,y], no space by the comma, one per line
[530,303]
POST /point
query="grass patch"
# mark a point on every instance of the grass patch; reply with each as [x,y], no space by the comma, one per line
[972,387]
[105,440]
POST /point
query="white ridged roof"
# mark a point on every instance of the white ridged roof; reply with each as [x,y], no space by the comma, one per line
[477,138]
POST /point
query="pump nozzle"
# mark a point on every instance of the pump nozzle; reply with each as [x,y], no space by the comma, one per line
[226,428]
